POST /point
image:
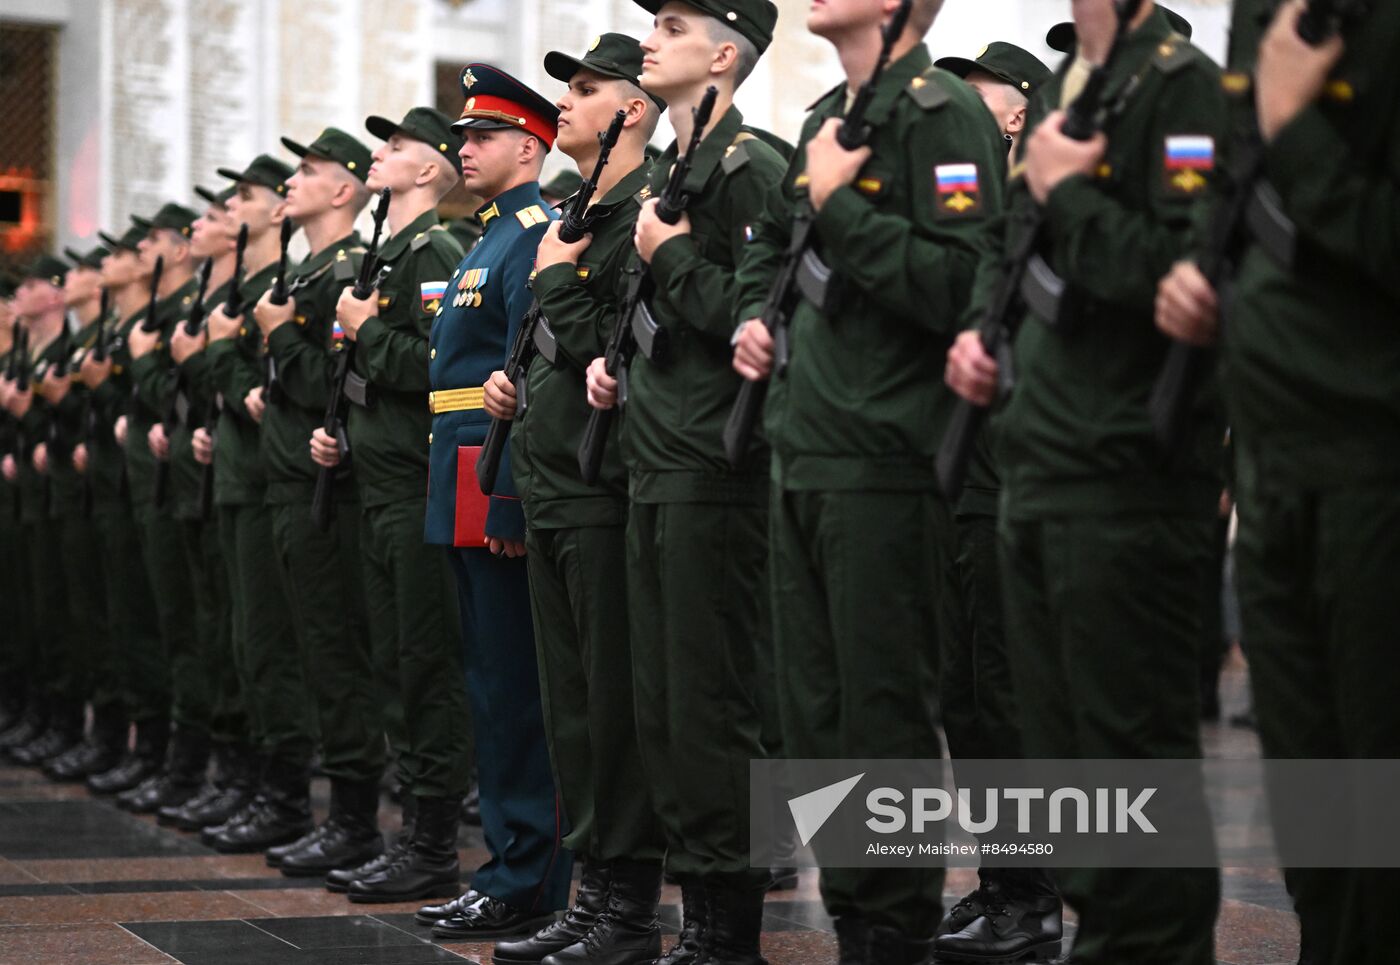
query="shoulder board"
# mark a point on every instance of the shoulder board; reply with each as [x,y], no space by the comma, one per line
[423,238]
[1173,54]
[736,155]
[643,196]
[822,99]
[531,216]
[927,92]
[344,264]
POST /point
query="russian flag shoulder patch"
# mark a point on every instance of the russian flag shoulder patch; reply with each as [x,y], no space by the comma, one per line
[959,190]
[1188,159]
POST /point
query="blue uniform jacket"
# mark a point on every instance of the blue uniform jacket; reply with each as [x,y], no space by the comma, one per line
[486,299]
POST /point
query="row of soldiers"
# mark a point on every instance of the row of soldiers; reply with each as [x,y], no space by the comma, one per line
[638,621]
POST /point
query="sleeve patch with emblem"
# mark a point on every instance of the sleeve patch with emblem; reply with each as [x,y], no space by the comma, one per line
[1188,158]
[959,191]
[432,294]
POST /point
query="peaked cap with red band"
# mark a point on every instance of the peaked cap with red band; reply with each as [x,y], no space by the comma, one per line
[497,101]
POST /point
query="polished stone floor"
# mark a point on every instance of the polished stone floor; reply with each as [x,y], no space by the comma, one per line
[82,883]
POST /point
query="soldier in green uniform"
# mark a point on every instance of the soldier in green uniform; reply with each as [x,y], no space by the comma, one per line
[696,528]
[408,589]
[1310,355]
[39,304]
[264,634]
[320,571]
[1090,514]
[878,210]
[168,239]
[131,608]
[72,511]
[976,697]
[213,238]
[575,536]
[19,718]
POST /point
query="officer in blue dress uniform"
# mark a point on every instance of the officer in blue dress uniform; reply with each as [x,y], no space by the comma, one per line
[508,129]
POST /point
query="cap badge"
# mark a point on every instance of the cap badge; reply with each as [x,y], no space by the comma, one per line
[469,78]
[594,46]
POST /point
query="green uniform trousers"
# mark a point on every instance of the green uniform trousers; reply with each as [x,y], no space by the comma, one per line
[320,575]
[856,628]
[409,595]
[265,643]
[73,679]
[153,670]
[14,590]
[1318,575]
[1103,619]
[578,599]
[695,573]
[48,647]
[207,694]
[131,611]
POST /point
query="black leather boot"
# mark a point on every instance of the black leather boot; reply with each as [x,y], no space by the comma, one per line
[627,932]
[694,918]
[100,752]
[1021,922]
[350,836]
[428,868]
[65,729]
[151,738]
[29,726]
[889,946]
[734,924]
[573,927]
[338,881]
[284,814]
[179,781]
[971,906]
[852,940]
[231,791]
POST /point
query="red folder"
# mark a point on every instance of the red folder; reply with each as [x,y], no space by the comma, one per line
[470,522]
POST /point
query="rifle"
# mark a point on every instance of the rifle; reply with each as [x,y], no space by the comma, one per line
[1084,119]
[635,328]
[99,347]
[233,307]
[1245,208]
[151,323]
[90,418]
[534,337]
[278,296]
[170,418]
[322,501]
[802,271]
[22,362]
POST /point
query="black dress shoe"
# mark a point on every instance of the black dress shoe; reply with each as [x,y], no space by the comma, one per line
[90,757]
[574,927]
[229,801]
[1009,931]
[486,919]
[242,816]
[432,914]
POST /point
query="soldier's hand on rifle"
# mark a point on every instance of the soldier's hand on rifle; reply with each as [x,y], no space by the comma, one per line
[119,431]
[352,311]
[10,468]
[55,388]
[1291,72]
[92,372]
[220,326]
[553,251]
[203,444]
[254,403]
[1187,309]
[80,457]
[325,451]
[183,345]
[499,396]
[1051,156]
[829,165]
[270,316]
[141,342]
[7,389]
[971,372]
[652,232]
[40,458]
[20,402]
[509,548]
[158,443]
[602,387]
[753,350]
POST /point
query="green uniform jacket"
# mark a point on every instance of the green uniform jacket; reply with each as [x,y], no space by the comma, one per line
[1076,437]
[861,405]
[305,369]
[580,304]
[36,490]
[106,461]
[152,382]
[671,428]
[194,378]
[1312,353]
[389,439]
[240,478]
[69,489]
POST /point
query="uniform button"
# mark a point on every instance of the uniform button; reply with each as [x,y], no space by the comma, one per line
[430,438]
[432,353]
